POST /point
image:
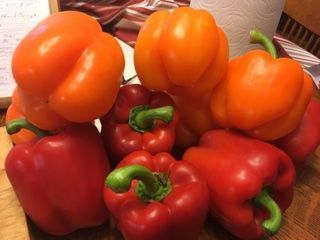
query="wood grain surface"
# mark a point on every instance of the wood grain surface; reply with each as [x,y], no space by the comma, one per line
[13,224]
[301,221]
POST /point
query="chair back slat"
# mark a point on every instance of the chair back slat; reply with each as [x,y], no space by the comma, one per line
[299,34]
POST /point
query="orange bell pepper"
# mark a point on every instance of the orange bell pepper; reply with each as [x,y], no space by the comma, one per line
[68,66]
[39,113]
[14,112]
[183,52]
[261,94]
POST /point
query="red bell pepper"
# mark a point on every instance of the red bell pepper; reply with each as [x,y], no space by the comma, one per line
[139,120]
[156,198]
[250,182]
[59,179]
[305,139]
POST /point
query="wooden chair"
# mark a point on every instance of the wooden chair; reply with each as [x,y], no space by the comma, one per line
[300,23]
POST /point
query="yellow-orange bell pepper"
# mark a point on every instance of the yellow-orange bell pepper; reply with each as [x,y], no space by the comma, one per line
[183,52]
[68,65]
[262,95]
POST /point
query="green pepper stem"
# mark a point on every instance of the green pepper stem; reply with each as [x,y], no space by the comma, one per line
[149,188]
[271,225]
[15,126]
[258,37]
[142,118]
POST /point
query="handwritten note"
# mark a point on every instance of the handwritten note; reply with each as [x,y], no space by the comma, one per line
[17,18]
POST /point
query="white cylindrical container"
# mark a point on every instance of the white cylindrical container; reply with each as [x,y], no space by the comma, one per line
[238,17]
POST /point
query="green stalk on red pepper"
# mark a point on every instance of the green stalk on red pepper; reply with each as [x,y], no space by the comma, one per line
[58,178]
[139,120]
[250,181]
[151,186]
[155,197]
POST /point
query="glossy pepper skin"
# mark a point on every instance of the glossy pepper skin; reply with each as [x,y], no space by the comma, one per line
[250,181]
[59,179]
[195,119]
[39,112]
[261,94]
[304,140]
[73,72]
[156,198]
[185,52]
[150,128]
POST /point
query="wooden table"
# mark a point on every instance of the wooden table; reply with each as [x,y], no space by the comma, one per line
[301,221]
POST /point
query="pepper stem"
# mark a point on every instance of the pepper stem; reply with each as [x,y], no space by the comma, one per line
[271,225]
[142,118]
[15,126]
[258,37]
[151,186]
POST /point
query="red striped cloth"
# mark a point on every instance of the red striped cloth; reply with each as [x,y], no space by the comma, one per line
[305,58]
[122,18]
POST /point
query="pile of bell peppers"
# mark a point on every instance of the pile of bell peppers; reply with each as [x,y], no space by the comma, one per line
[66,78]
[186,55]
[201,136]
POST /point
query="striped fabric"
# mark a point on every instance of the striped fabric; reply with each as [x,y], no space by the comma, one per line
[122,18]
[294,51]
[310,62]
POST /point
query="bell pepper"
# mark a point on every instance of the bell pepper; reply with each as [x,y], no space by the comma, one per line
[305,139]
[39,113]
[195,119]
[182,51]
[139,120]
[250,181]
[13,113]
[156,198]
[261,94]
[68,66]
[59,179]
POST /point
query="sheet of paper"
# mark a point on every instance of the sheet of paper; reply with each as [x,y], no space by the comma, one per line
[129,70]
[17,18]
